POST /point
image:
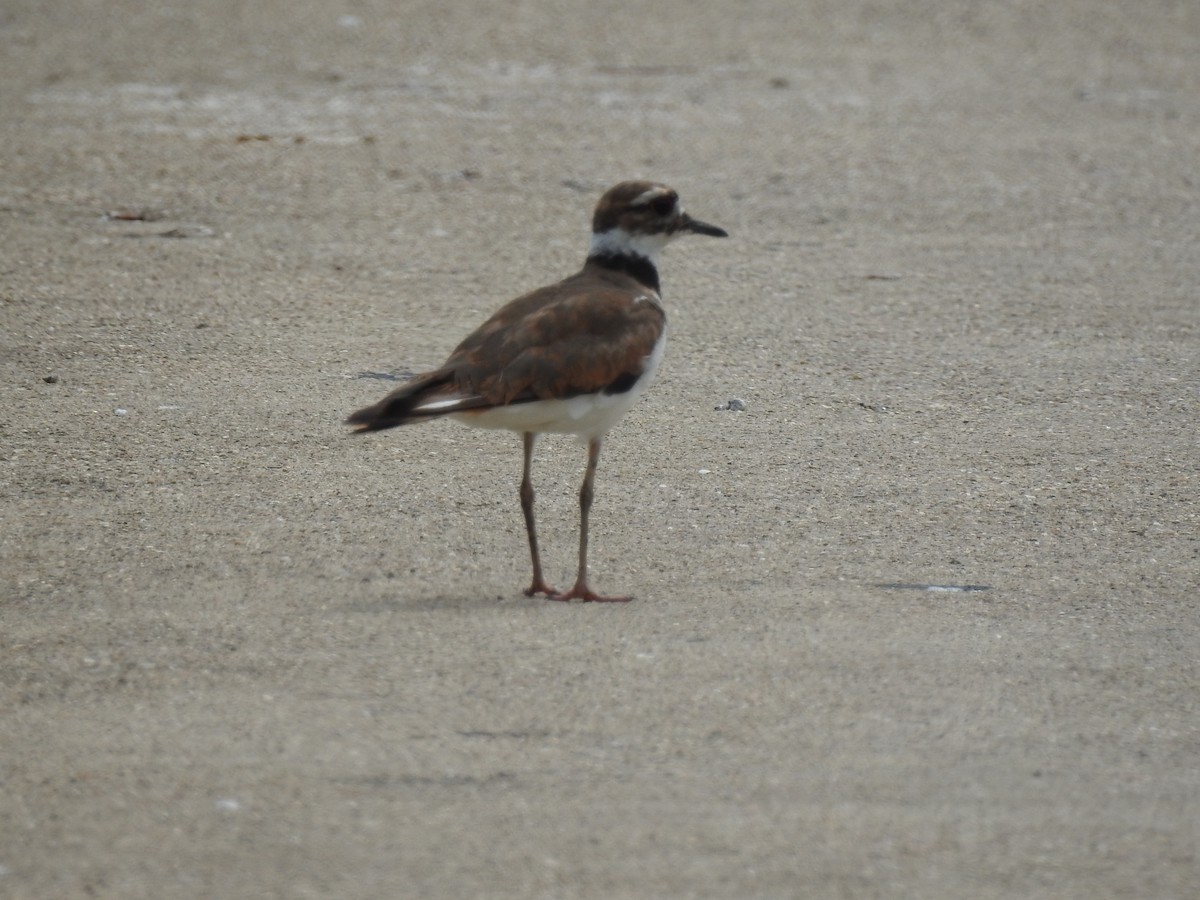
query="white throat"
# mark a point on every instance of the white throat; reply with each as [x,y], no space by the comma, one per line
[619,242]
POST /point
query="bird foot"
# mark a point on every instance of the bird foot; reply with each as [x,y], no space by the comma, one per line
[584,593]
[539,586]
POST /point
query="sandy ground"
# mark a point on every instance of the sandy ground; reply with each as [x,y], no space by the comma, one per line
[245,654]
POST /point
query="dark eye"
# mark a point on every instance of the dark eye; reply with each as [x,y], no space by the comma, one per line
[663,206]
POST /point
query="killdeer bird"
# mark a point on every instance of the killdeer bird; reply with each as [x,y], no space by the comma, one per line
[569,358]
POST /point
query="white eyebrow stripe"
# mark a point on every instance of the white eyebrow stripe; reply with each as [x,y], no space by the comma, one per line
[647,196]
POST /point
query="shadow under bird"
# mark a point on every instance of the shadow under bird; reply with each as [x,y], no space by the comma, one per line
[569,358]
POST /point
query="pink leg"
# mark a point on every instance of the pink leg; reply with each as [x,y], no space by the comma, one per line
[538,586]
[581,591]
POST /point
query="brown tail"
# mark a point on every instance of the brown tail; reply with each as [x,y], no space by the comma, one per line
[399,407]
[426,397]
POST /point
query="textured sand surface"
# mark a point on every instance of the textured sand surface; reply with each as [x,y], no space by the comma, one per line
[244,654]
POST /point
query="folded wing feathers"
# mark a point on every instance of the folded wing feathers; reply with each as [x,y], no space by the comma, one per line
[578,344]
[534,348]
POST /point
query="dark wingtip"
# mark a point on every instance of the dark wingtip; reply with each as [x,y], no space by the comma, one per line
[364,420]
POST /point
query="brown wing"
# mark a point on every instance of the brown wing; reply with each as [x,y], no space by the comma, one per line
[581,336]
[589,333]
